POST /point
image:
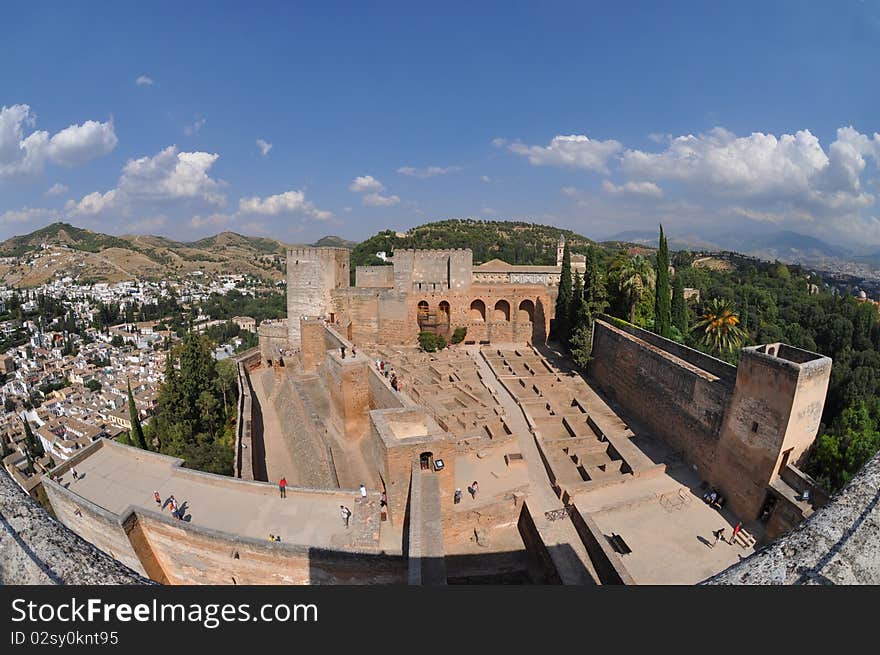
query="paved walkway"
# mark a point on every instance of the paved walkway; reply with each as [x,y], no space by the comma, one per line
[279,458]
[114,478]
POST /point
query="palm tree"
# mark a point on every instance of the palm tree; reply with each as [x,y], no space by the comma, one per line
[635,276]
[720,327]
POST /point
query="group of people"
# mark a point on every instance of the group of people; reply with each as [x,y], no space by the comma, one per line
[473,487]
[719,535]
[342,350]
[177,510]
[389,373]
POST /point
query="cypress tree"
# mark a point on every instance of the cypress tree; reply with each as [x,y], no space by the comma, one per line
[662,292]
[33,445]
[137,432]
[563,299]
[577,310]
[679,306]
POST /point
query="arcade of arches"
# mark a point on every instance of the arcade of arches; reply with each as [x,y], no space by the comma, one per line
[486,316]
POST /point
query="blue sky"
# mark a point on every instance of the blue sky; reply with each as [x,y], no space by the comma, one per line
[709,117]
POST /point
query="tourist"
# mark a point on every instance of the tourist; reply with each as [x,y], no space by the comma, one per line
[157,498]
[363,491]
[383,500]
[736,530]
[385,370]
[354,351]
[378,364]
[342,351]
[277,537]
[282,486]
[172,505]
[457,497]
[271,537]
[719,534]
[472,490]
[346,514]
[75,474]
[394,383]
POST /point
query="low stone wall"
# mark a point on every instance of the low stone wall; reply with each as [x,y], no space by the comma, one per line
[605,560]
[37,549]
[244,450]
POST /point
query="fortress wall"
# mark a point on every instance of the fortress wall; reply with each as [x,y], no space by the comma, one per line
[312,273]
[196,555]
[93,523]
[360,309]
[374,277]
[349,392]
[680,403]
[244,450]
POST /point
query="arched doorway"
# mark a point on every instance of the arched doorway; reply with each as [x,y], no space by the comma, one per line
[426,461]
[526,311]
[478,310]
[502,311]
[423,314]
[443,312]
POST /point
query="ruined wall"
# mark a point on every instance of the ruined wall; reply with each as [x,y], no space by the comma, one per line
[676,400]
[349,390]
[312,274]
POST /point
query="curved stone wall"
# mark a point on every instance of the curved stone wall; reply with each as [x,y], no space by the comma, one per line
[839,544]
[37,549]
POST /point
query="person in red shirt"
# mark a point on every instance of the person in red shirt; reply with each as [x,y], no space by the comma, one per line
[282,487]
[157,498]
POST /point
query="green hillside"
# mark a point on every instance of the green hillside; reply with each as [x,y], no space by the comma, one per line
[62,234]
[513,241]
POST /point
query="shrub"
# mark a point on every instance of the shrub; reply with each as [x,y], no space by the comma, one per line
[431,342]
[459,334]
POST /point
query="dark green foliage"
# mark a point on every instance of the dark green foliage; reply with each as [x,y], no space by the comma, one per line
[562,320]
[431,342]
[577,308]
[662,293]
[93,385]
[33,445]
[260,307]
[852,440]
[137,432]
[680,318]
[196,411]
[459,334]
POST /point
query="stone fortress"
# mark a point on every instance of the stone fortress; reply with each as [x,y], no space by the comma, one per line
[582,479]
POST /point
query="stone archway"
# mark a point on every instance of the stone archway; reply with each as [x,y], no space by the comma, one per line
[526,312]
[502,311]
[478,310]
[423,315]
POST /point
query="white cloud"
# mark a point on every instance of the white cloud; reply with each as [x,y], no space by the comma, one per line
[289,202]
[425,173]
[75,144]
[632,188]
[764,168]
[211,219]
[378,200]
[754,215]
[264,146]
[172,175]
[365,183]
[195,127]
[92,203]
[78,144]
[143,80]
[499,142]
[485,178]
[28,214]
[574,151]
[57,189]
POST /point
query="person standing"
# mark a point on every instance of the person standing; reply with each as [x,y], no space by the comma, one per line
[346,514]
[736,530]
[342,351]
[472,490]
[363,491]
[172,505]
[282,487]
[75,474]
[157,498]
[383,500]
[456,498]
[719,534]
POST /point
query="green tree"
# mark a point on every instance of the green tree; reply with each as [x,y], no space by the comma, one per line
[577,310]
[33,445]
[93,385]
[679,306]
[563,298]
[719,325]
[662,295]
[137,432]
[635,277]
[459,334]
[227,380]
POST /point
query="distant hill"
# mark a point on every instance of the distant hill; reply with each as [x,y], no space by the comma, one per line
[516,242]
[86,255]
[335,242]
[651,238]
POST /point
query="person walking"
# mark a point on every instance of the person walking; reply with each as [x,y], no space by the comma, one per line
[363,491]
[472,490]
[346,514]
[736,530]
[172,505]
[719,535]
[75,474]
[342,351]
[456,498]
[383,500]
[157,498]
[282,487]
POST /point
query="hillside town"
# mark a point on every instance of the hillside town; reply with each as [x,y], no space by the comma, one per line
[71,354]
